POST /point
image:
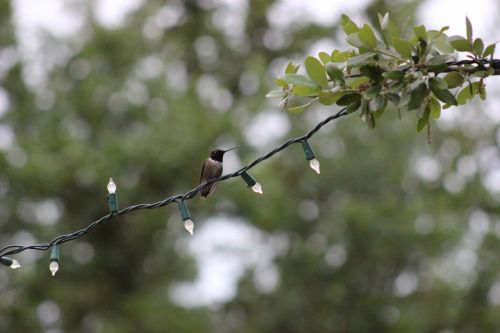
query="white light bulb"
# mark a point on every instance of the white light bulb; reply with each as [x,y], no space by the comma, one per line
[189,226]
[314,163]
[54,267]
[15,264]
[111,186]
[257,188]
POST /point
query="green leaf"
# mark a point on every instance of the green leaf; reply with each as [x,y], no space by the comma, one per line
[461,44]
[454,79]
[281,82]
[338,56]
[380,112]
[372,92]
[377,103]
[383,21]
[464,95]
[316,71]
[403,47]
[483,73]
[335,74]
[468,26]
[371,121]
[420,32]
[324,57]
[490,50]
[305,90]
[297,79]
[435,107]
[394,98]
[356,82]
[440,41]
[297,104]
[478,46]
[405,27]
[444,95]
[422,122]
[404,98]
[368,118]
[367,36]
[349,99]
[438,63]
[396,86]
[348,25]
[276,94]
[391,33]
[437,83]
[372,72]
[440,59]
[474,87]
[330,97]
[394,75]
[360,60]
[291,68]
[417,96]
[420,111]
[354,106]
[355,41]
[388,29]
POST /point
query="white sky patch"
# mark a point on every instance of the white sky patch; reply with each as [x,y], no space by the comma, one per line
[266,127]
[54,16]
[481,13]
[61,19]
[285,13]
[459,266]
[494,294]
[322,45]
[112,13]
[48,312]
[33,19]
[427,168]
[491,182]
[6,137]
[224,249]
[405,284]
[230,17]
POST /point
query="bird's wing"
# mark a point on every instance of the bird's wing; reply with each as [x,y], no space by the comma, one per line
[201,175]
[207,190]
[210,189]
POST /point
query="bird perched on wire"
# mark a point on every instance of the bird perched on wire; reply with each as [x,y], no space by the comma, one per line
[212,168]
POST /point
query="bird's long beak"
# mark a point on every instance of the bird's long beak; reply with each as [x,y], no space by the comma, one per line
[225,151]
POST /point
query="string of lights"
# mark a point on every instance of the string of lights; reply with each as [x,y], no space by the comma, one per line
[180,199]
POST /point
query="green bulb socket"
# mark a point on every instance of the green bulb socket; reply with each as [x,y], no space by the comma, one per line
[307,150]
[184,211]
[54,253]
[6,261]
[248,179]
[113,203]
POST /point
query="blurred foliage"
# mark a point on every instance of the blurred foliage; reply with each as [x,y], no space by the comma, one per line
[396,72]
[395,235]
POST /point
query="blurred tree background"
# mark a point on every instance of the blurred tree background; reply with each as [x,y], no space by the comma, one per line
[395,235]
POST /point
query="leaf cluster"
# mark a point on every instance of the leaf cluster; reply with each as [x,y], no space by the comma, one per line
[393,68]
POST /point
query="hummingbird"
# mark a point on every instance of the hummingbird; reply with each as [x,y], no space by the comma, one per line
[212,168]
